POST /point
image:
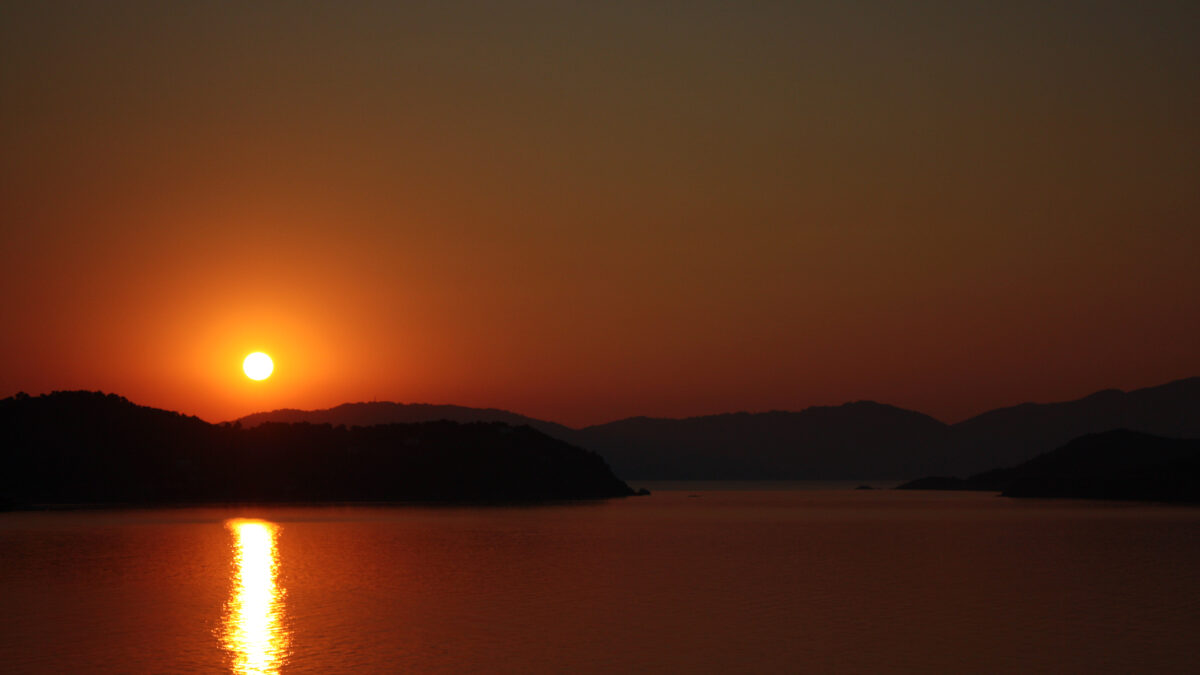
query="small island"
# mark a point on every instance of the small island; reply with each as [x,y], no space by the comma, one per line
[90,448]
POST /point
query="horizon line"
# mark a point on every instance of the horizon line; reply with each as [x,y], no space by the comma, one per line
[630,417]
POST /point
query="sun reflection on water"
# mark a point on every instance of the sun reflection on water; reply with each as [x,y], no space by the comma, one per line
[254,632]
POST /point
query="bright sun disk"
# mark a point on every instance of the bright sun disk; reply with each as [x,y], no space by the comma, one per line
[258,366]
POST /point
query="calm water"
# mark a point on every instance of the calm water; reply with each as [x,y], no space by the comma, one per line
[760,581]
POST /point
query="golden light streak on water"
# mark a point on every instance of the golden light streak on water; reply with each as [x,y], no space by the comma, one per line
[254,631]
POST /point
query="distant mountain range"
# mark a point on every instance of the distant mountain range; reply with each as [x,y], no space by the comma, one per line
[862,440]
[386,412]
[82,447]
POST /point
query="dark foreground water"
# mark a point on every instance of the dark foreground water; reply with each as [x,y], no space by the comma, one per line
[723,581]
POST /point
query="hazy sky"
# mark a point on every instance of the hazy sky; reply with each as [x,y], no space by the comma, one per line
[583,211]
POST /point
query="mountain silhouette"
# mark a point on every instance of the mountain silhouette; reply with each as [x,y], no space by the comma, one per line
[386,412]
[863,440]
[91,448]
[1006,436]
[1120,464]
[855,440]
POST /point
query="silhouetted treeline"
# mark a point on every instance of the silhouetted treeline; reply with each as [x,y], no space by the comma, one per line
[89,448]
[1119,464]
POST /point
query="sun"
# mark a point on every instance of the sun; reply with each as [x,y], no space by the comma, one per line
[258,366]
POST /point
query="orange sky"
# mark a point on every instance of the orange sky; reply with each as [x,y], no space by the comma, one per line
[582,214]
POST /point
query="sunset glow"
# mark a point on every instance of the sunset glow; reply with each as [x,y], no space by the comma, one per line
[948,207]
[453,336]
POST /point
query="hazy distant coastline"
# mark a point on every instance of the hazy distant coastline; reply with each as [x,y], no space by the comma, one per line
[92,448]
[855,441]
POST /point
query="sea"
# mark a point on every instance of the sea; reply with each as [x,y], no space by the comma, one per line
[708,578]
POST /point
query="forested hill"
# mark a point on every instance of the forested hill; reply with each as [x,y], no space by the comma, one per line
[91,448]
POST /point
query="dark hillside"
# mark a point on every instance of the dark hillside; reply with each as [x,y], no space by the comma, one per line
[92,448]
[1118,465]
